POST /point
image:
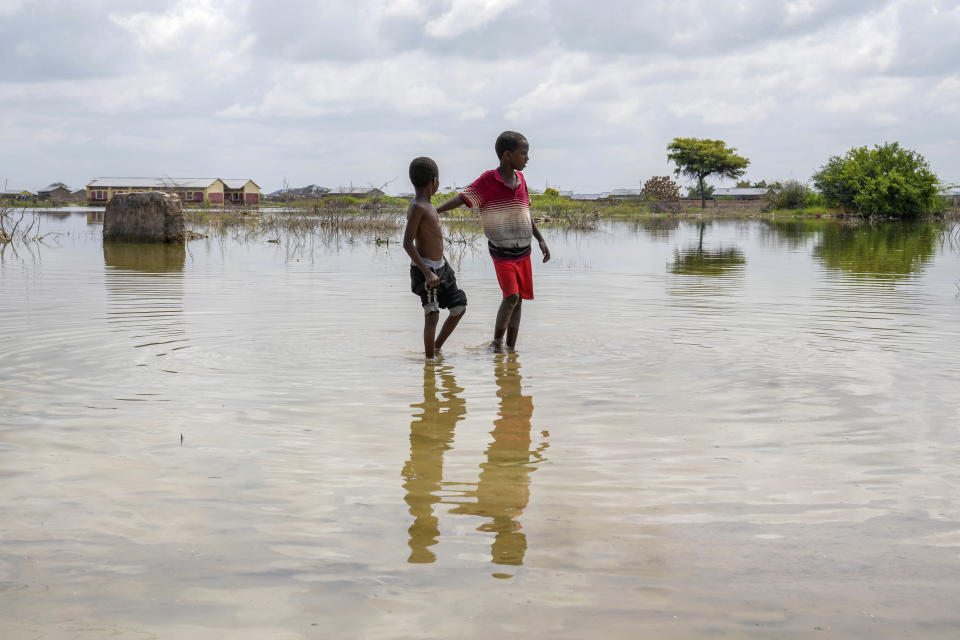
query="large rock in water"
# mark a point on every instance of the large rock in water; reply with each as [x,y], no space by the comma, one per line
[144,217]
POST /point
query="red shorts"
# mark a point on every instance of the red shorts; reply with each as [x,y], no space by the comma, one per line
[515,276]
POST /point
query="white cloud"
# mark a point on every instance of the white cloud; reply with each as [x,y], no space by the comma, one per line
[405,8]
[182,26]
[473,113]
[10,7]
[467,15]
[722,112]
[799,9]
[319,89]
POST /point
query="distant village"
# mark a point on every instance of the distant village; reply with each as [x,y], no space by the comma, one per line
[224,192]
[214,192]
[245,192]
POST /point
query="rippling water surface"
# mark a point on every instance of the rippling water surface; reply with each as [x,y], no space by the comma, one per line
[723,430]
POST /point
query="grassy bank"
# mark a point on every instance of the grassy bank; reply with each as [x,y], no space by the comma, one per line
[548,210]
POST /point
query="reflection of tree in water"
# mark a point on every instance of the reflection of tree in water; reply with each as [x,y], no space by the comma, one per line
[695,260]
[790,233]
[658,228]
[503,488]
[431,434]
[889,249]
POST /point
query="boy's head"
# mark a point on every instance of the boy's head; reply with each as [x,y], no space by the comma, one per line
[424,174]
[513,149]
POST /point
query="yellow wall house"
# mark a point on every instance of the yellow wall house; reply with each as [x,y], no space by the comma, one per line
[16,194]
[217,192]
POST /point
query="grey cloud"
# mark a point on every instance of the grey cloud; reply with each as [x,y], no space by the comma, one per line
[688,28]
[62,40]
[362,30]
[929,38]
[307,30]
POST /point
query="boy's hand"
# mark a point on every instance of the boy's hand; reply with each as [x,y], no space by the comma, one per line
[432,280]
[545,250]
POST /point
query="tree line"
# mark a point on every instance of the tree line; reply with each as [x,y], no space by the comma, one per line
[883,180]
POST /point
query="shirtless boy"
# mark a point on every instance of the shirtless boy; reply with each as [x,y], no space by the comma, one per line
[503,201]
[431,277]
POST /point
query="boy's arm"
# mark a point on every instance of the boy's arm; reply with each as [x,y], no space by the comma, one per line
[543,243]
[409,235]
[452,203]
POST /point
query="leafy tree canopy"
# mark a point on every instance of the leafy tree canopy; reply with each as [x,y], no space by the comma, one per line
[884,180]
[698,158]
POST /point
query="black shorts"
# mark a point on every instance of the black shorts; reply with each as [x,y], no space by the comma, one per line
[448,296]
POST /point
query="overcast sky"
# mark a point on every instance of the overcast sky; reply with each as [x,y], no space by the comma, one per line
[334,93]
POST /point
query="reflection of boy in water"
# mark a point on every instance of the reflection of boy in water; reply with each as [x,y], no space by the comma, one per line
[431,433]
[503,489]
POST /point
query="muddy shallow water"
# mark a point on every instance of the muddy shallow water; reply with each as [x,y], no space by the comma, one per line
[740,429]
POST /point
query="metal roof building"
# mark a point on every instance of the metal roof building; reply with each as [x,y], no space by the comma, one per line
[741,192]
[197,191]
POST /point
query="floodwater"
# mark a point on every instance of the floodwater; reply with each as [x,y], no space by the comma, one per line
[735,430]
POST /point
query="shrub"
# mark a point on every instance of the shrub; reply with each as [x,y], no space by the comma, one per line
[793,195]
[661,188]
[694,191]
[884,180]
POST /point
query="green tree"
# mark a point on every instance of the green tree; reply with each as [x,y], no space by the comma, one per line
[884,180]
[695,191]
[698,158]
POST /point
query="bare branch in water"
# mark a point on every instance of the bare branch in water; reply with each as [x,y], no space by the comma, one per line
[12,230]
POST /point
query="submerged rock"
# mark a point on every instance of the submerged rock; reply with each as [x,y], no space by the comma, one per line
[144,217]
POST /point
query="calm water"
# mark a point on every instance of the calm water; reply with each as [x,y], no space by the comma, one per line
[737,430]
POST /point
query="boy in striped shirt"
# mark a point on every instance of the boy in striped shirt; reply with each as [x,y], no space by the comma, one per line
[501,197]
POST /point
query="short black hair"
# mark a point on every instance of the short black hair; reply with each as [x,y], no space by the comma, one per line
[508,141]
[422,171]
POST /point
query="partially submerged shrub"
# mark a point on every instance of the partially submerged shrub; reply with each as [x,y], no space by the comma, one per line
[883,180]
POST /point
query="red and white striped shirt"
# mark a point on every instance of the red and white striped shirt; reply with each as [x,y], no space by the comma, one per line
[504,212]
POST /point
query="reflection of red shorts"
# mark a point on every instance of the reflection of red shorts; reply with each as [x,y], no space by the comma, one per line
[515,276]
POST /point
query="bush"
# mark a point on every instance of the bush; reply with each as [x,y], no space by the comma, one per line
[694,191]
[661,188]
[793,195]
[885,180]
